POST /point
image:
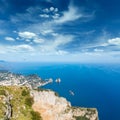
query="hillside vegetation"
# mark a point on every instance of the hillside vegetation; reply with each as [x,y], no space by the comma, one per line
[16,104]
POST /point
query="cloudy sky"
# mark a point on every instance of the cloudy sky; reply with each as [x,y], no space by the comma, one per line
[60,30]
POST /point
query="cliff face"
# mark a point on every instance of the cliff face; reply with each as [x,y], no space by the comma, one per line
[52,107]
[22,103]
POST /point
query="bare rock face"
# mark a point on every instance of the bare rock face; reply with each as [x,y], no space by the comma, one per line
[5,104]
[53,107]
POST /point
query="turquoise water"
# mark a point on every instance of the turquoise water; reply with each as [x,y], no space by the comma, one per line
[94,85]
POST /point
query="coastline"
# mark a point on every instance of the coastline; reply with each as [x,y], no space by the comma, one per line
[45,102]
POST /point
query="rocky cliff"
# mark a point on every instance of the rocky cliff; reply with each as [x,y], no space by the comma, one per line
[22,103]
[53,107]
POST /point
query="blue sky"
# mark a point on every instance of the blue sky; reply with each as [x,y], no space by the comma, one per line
[60,30]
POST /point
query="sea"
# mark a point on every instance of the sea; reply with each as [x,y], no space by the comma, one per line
[94,85]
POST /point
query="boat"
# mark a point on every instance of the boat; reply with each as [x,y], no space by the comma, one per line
[71,92]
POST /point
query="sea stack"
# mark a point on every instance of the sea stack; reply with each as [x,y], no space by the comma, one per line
[58,80]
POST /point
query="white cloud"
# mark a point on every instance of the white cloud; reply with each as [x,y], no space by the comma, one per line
[48,31]
[61,52]
[93,54]
[28,40]
[37,40]
[104,44]
[16,49]
[71,15]
[50,13]
[27,35]
[32,37]
[114,41]
[17,38]
[51,8]
[98,50]
[56,10]
[2,52]
[9,39]
[50,47]
[44,15]
[53,46]
[62,40]
[23,48]
[46,10]
[54,34]
[56,16]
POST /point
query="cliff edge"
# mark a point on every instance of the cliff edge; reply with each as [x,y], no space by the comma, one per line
[53,107]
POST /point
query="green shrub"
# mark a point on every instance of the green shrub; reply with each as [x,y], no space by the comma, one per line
[2,92]
[25,92]
[29,101]
[36,115]
[56,94]
[81,118]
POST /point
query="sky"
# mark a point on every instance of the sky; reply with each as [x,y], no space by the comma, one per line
[60,30]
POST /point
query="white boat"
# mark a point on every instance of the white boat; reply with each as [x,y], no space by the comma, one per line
[71,92]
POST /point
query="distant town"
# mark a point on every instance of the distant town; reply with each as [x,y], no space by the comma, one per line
[32,81]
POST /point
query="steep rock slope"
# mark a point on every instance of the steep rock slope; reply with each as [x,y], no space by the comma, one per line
[53,107]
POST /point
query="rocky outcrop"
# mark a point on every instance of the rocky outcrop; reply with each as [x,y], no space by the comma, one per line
[8,113]
[6,104]
[53,107]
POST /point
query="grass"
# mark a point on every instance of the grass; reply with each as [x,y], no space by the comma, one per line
[21,103]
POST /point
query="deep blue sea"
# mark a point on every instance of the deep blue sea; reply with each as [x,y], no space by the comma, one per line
[94,85]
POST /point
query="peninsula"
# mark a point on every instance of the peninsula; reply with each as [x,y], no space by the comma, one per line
[32,81]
